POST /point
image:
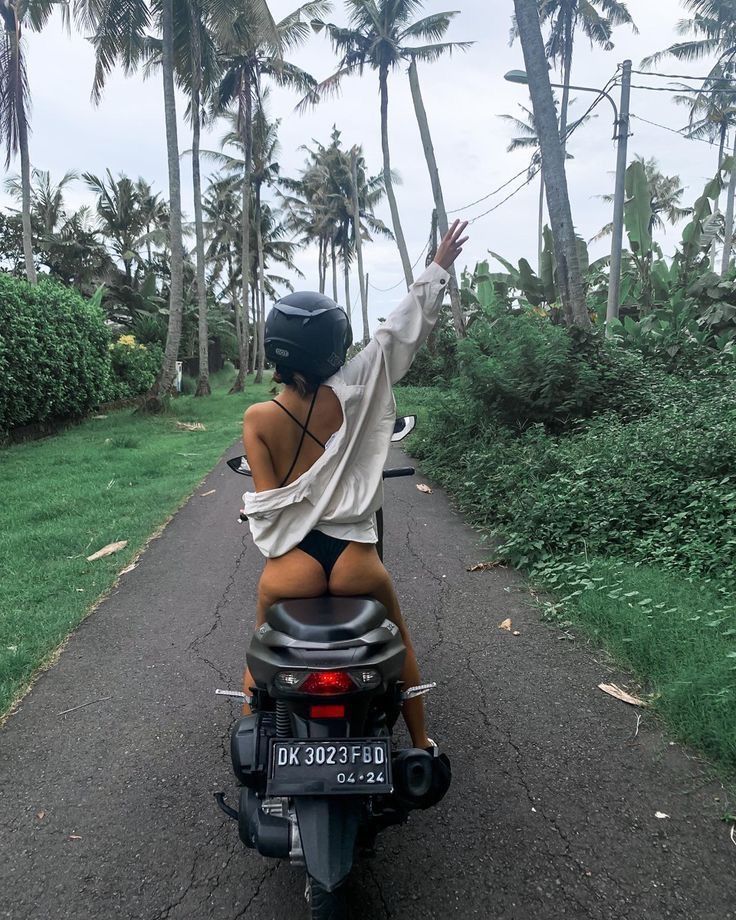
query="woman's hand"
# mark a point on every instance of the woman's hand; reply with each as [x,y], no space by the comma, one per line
[451,245]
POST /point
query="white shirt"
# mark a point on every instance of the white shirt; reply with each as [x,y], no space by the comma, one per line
[340,493]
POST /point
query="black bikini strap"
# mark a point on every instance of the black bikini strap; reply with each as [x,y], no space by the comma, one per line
[303,427]
[305,432]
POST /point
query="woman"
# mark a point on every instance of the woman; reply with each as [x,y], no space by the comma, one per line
[317,451]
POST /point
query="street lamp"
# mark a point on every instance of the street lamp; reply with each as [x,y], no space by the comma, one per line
[621,136]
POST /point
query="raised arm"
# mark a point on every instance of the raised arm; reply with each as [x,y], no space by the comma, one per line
[397,341]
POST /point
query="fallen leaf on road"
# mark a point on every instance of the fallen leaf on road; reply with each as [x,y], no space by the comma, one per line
[128,568]
[484,566]
[205,494]
[660,815]
[108,550]
[516,633]
[100,416]
[505,625]
[619,694]
[74,837]
[423,487]
[40,815]
[191,426]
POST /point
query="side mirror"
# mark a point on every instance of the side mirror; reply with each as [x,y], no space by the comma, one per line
[239,465]
[403,427]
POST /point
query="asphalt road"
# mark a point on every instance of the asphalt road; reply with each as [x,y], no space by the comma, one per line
[107,811]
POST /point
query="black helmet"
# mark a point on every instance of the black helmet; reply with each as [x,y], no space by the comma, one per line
[308,332]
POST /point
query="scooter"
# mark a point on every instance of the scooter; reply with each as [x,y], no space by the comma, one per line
[320,776]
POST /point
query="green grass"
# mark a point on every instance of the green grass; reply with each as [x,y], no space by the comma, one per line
[107,479]
[678,636]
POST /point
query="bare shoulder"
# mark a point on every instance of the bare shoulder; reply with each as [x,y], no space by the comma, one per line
[256,414]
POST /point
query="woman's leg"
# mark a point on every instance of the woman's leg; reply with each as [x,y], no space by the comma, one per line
[295,574]
[359,570]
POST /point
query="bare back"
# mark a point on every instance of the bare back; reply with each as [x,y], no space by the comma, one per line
[271,437]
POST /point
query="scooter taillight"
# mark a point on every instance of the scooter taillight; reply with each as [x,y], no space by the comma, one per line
[327,683]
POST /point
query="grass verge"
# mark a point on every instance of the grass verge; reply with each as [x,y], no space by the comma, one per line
[677,636]
[107,479]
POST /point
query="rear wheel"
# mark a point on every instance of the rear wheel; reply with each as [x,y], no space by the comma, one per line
[324,904]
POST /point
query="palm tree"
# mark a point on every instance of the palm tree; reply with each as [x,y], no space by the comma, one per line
[120,36]
[47,199]
[553,165]
[121,218]
[666,198]
[526,139]
[15,99]
[595,18]
[380,36]
[710,32]
[252,47]
[197,71]
[223,223]
[322,208]
[309,211]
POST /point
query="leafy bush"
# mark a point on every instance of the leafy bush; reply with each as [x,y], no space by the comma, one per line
[659,490]
[54,361]
[522,370]
[134,367]
[436,362]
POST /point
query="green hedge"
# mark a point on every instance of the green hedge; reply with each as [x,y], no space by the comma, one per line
[54,360]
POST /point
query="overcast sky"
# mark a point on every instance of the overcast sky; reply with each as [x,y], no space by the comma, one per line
[463,95]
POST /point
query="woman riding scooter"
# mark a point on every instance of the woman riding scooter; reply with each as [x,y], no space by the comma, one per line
[317,451]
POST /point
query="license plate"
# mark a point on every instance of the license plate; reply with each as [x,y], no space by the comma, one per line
[350,766]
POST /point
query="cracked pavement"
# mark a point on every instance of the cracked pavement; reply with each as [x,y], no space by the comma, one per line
[552,811]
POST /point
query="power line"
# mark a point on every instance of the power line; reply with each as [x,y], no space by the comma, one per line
[685,137]
[532,175]
[490,194]
[684,89]
[506,184]
[676,76]
[403,280]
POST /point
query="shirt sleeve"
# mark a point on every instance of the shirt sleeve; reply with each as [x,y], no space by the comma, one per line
[397,341]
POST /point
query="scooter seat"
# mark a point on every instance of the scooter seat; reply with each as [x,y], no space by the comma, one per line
[326,619]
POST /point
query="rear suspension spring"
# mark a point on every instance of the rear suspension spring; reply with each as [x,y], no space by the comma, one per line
[283,721]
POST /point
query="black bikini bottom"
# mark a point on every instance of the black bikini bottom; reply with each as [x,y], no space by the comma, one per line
[325,549]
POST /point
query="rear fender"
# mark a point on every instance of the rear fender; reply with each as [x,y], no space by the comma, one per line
[328,828]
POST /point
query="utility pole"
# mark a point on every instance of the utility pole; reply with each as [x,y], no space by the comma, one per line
[624,122]
[359,243]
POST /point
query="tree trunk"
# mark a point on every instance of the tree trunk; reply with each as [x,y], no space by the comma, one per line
[203,378]
[540,229]
[254,325]
[566,75]
[334,269]
[553,165]
[234,299]
[259,286]
[165,382]
[728,230]
[346,269]
[21,125]
[320,265]
[717,205]
[439,200]
[246,116]
[398,232]
[359,244]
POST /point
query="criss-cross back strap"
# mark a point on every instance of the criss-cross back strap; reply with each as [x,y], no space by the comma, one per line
[305,432]
[303,427]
